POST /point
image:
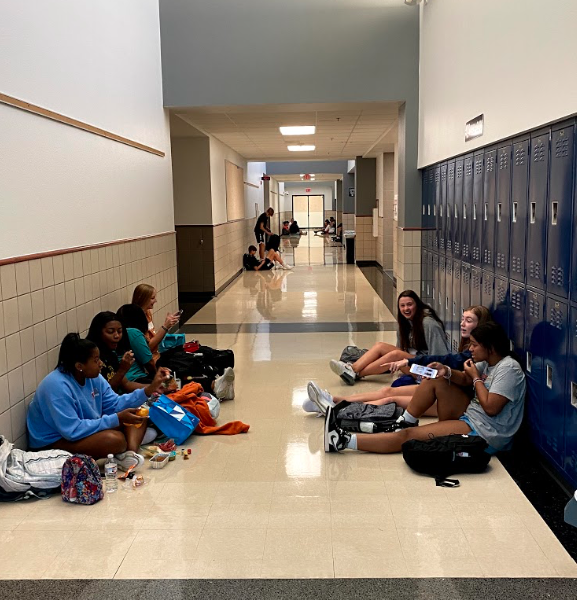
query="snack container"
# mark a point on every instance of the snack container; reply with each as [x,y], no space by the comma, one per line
[158,461]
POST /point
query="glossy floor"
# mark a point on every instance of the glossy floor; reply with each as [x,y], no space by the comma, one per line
[271,503]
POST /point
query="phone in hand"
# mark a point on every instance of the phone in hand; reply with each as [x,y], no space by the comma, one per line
[179,312]
[424,371]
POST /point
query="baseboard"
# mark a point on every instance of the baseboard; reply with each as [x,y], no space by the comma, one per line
[228,282]
[369,263]
[195,296]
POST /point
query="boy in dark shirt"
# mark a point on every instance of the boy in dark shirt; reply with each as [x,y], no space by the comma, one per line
[252,263]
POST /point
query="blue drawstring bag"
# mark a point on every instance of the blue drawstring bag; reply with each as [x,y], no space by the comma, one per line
[173,420]
[171,340]
[403,381]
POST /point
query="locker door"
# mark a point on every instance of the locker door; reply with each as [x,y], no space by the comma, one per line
[423,292]
[477,216]
[456,306]
[467,220]
[553,415]
[450,209]
[435,280]
[449,324]
[465,286]
[435,208]
[571,403]
[519,212]
[425,204]
[458,208]
[488,210]
[431,210]
[535,333]
[442,210]
[537,229]
[488,290]
[442,288]
[559,222]
[502,302]
[517,320]
[476,286]
[430,279]
[503,211]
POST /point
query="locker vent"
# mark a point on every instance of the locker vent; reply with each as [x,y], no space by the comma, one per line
[487,257]
[534,308]
[469,168]
[539,151]
[451,172]
[535,269]
[562,147]
[478,166]
[516,264]
[458,247]
[501,294]
[500,260]
[466,277]
[459,171]
[465,250]
[557,276]
[455,346]
[516,300]
[487,286]
[449,245]
[503,161]
[490,163]
[476,254]
[437,177]
[556,318]
[520,156]
[444,175]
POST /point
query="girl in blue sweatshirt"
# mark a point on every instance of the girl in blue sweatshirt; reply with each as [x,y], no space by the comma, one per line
[75,409]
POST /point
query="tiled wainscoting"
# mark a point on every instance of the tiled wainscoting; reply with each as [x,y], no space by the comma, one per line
[408,260]
[366,243]
[210,256]
[348,221]
[42,300]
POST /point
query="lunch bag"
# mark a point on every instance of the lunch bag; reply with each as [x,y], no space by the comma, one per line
[358,417]
[81,481]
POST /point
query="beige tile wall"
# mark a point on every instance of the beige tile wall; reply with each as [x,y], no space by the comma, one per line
[349,221]
[408,260]
[42,300]
[388,222]
[365,244]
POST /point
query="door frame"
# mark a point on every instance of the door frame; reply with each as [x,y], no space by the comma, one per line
[308,196]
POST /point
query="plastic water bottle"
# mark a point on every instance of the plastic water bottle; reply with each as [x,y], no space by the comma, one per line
[571,511]
[110,470]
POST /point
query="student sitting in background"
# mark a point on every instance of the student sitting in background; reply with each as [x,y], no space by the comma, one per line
[294,228]
[285,228]
[76,410]
[272,252]
[251,263]
[325,228]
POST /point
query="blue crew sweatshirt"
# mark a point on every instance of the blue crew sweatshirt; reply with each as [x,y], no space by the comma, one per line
[453,361]
[62,408]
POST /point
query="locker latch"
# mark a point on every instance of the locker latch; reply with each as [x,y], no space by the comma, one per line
[554,206]
[499,208]
[550,377]
[515,206]
[529,361]
[533,212]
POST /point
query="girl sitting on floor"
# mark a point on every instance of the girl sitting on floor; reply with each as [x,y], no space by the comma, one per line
[272,252]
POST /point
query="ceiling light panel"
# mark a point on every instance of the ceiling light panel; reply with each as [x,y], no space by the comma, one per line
[298,130]
[301,148]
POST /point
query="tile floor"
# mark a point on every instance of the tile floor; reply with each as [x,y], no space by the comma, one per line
[271,503]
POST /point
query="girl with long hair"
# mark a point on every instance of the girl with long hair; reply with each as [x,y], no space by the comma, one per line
[272,252]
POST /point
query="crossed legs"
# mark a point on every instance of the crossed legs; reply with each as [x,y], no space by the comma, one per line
[381,353]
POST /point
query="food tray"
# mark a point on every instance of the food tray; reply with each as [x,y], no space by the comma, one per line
[159,461]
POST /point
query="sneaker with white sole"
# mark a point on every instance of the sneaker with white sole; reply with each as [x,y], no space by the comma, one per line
[321,398]
[310,407]
[286,267]
[402,423]
[128,459]
[344,370]
[224,385]
[335,438]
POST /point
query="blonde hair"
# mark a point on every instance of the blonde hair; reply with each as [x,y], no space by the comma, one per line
[142,295]
[483,316]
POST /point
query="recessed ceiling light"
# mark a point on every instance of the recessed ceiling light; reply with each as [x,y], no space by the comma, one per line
[312,174]
[302,174]
[301,148]
[299,130]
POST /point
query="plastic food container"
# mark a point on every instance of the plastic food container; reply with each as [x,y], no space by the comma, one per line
[159,461]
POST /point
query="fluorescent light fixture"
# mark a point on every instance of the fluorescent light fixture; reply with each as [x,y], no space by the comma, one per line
[299,130]
[302,174]
[301,148]
[312,174]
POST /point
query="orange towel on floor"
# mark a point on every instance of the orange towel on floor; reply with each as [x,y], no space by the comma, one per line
[189,398]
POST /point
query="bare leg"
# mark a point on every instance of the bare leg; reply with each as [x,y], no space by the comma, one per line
[261,250]
[275,257]
[375,367]
[387,443]
[134,436]
[373,354]
[384,392]
[452,400]
[98,445]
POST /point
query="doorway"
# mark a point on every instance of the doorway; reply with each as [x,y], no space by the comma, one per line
[309,211]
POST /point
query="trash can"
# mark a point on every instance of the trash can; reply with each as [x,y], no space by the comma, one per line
[350,247]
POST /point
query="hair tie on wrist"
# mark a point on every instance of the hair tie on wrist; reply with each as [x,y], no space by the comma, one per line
[165,329]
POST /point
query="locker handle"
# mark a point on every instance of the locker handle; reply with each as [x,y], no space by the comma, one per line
[550,377]
[485,211]
[424,209]
[428,210]
[474,212]
[456,212]
[465,212]
[499,208]
[441,210]
[529,362]
[533,212]
[446,303]
[554,207]
[454,308]
[514,215]
[574,394]
[434,210]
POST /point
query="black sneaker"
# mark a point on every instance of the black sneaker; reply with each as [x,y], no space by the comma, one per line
[402,423]
[335,438]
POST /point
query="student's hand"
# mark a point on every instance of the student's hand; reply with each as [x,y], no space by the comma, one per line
[393,367]
[440,367]
[171,320]
[471,369]
[128,416]
[126,361]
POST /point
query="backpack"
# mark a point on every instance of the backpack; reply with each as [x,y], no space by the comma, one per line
[358,417]
[351,354]
[446,455]
[81,481]
[218,359]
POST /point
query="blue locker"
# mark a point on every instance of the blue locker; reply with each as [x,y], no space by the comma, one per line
[537,229]
[488,290]
[442,210]
[465,286]
[535,333]
[450,209]
[424,259]
[458,208]
[476,287]
[435,209]
[424,217]
[503,211]
[571,403]
[448,299]
[435,280]
[560,211]
[553,415]
[477,217]
[489,210]
[430,279]
[456,306]
[502,302]
[442,288]
[519,210]
[517,320]
[467,220]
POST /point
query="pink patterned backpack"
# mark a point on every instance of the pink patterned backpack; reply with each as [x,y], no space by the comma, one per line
[81,481]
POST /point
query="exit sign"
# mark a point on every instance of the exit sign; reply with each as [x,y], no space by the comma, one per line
[308,190]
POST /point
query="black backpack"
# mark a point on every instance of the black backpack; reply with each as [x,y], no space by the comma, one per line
[446,455]
[359,417]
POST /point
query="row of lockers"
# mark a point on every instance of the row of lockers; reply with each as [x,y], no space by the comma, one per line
[509,210]
[543,332]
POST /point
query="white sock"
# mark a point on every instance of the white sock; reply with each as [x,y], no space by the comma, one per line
[352,445]
[409,417]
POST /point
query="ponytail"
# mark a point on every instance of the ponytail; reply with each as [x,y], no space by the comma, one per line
[72,350]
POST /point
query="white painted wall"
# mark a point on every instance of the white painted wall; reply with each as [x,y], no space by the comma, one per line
[318,188]
[100,63]
[254,195]
[512,61]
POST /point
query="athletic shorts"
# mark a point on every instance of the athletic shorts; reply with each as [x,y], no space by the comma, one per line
[259,237]
[465,419]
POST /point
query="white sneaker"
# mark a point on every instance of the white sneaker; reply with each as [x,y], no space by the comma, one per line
[149,436]
[129,459]
[344,371]
[322,399]
[310,407]
[286,267]
[224,385]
